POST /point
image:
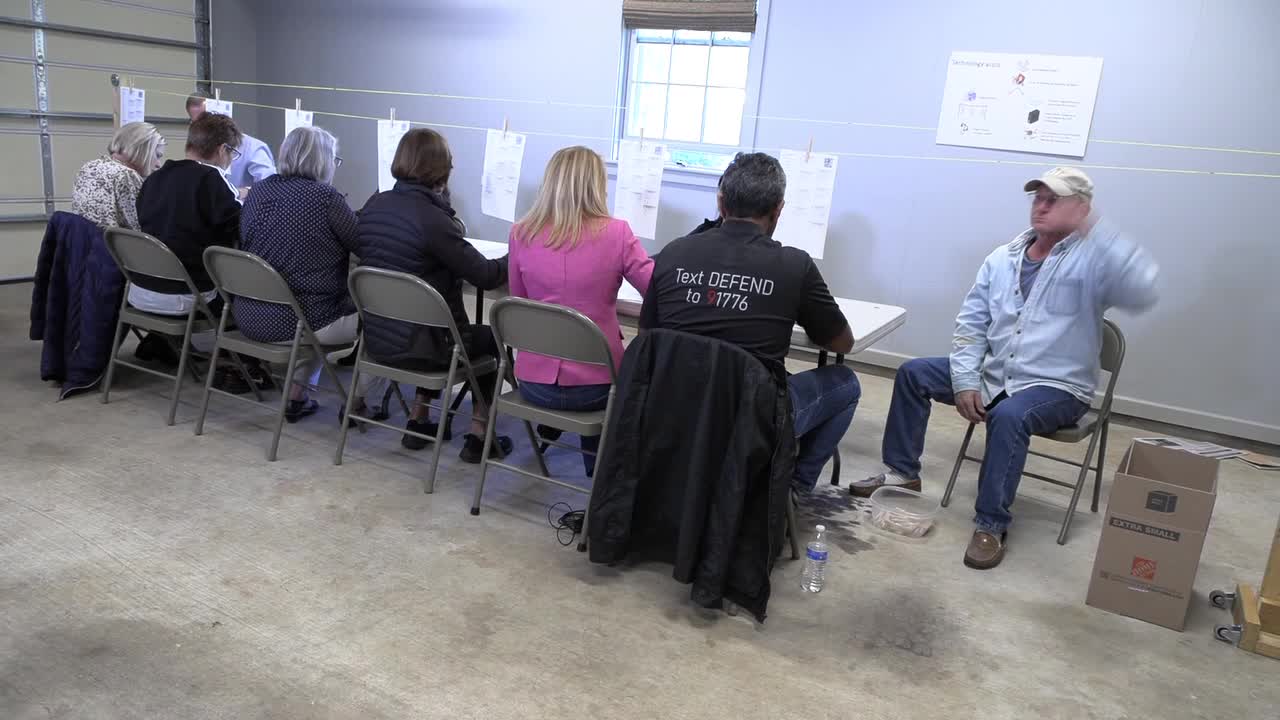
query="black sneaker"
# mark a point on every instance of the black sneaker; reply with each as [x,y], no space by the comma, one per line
[379,416]
[229,380]
[420,426]
[473,448]
[298,409]
[546,432]
[155,348]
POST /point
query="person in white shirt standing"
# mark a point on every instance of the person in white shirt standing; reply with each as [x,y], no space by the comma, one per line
[1025,356]
[252,161]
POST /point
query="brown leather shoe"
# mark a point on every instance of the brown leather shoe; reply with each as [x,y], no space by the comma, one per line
[985,550]
[864,488]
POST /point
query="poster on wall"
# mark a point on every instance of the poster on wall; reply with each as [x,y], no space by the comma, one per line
[500,181]
[294,119]
[133,105]
[811,180]
[389,134]
[221,107]
[636,193]
[1025,103]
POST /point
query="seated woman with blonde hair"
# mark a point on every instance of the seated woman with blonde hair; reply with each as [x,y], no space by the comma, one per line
[106,188]
[568,251]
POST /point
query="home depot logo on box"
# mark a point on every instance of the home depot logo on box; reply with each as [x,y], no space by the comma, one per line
[1143,569]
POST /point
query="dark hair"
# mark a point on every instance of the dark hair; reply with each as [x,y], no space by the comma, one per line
[211,131]
[194,100]
[752,186]
[422,157]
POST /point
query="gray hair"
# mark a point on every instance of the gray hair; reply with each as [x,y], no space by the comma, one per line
[309,152]
[138,143]
[752,186]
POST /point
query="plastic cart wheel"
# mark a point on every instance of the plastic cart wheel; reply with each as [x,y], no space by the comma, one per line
[1229,633]
[1222,599]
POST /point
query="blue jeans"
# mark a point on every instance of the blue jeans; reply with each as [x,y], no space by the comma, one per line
[822,404]
[1011,421]
[571,397]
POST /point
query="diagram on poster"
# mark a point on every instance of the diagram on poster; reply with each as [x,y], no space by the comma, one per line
[1026,103]
[503,156]
[811,180]
[389,134]
[635,195]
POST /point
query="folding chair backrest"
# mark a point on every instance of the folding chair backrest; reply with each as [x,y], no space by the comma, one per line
[398,296]
[1112,347]
[243,274]
[139,253]
[552,330]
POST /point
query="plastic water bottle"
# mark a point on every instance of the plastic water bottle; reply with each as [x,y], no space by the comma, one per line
[815,562]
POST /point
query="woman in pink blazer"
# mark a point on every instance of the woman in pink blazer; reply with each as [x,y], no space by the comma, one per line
[568,251]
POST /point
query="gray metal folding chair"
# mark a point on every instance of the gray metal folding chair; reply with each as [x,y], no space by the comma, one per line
[238,273]
[559,332]
[1094,425]
[407,298]
[137,253]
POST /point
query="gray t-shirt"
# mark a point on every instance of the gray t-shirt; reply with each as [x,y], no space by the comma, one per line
[1027,278]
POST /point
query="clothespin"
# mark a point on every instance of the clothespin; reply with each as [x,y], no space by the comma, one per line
[297,104]
[393,114]
[217,94]
[809,151]
[504,127]
[642,139]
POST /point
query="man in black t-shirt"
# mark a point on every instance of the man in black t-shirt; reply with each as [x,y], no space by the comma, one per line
[735,283]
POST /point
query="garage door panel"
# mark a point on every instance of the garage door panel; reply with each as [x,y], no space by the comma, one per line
[23,176]
[17,42]
[66,48]
[69,153]
[130,19]
[74,90]
[17,8]
[17,86]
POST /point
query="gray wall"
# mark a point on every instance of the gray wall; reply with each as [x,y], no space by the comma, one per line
[905,231]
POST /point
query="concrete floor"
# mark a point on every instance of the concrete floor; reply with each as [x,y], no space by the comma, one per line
[148,573]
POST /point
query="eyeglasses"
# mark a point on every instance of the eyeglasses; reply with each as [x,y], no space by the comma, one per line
[235,154]
[337,161]
[1046,200]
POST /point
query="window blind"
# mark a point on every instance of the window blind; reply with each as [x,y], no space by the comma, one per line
[715,15]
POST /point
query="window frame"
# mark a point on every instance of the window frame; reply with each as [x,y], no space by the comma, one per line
[750,105]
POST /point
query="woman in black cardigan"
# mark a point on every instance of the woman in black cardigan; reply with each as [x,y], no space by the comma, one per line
[412,228]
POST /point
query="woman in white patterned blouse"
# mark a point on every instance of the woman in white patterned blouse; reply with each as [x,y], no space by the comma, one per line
[106,189]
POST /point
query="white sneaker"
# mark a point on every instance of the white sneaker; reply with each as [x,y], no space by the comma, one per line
[864,488]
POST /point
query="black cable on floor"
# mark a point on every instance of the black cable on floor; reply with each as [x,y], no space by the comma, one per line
[570,521]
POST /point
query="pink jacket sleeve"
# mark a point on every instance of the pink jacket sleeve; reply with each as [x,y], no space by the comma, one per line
[637,266]
[515,280]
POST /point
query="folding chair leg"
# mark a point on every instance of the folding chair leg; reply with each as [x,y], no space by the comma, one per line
[793,528]
[537,453]
[955,471]
[429,482]
[111,363]
[835,468]
[1102,459]
[284,397]
[386,399]
[346,411]
[1081,479]
[184,356]
[490,430]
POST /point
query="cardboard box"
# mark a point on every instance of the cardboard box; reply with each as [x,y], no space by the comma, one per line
[1154,529]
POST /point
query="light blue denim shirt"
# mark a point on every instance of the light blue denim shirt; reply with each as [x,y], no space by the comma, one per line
[1005,343]
[254,164]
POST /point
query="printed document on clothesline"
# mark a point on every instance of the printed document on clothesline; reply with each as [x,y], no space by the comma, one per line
[811,180]
[503,155]
[221,107]
[635,195]
[389,134]
[133,105]
[296,119]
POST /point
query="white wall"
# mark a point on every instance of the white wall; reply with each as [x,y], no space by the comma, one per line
[905,231]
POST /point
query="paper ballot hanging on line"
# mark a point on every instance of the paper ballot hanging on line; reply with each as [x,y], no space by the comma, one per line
[389,134]
[296,119]
[133,105]
[810,183]
[221,107]
[635,195]
[503,155]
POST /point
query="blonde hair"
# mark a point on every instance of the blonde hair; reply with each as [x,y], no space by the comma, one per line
[572,196]
[138,143]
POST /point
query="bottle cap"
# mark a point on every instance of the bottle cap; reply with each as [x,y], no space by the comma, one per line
[822,528]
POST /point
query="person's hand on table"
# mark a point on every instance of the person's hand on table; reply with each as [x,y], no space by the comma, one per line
[969,405]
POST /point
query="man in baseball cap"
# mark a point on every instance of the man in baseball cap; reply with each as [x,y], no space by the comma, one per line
[1025,354]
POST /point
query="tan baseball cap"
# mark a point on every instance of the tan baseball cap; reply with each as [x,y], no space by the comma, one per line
[1064,182]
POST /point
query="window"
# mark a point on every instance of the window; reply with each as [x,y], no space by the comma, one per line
[688,87]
